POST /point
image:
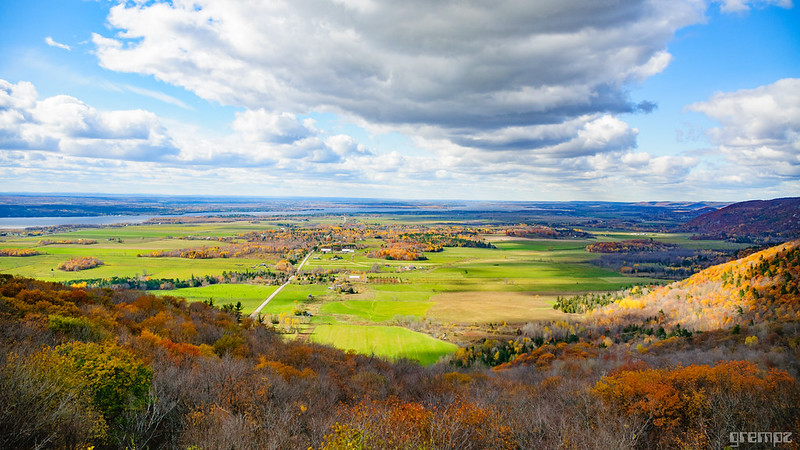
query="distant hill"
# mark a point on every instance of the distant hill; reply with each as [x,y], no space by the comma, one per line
[761,221]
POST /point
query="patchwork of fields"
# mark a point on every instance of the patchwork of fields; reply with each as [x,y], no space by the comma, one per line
[515,282]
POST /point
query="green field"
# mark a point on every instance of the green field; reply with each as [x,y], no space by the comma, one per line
[249,295]
[384,341]
[376,311]
[682,239]
[293,296]
[121,263]
[118,248]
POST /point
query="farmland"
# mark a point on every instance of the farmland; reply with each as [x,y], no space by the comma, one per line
[391,342]
[345,296]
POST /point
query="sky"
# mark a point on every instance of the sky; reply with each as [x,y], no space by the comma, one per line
[610,100]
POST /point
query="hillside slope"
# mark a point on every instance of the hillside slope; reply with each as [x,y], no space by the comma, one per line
[768,221]
[760,287]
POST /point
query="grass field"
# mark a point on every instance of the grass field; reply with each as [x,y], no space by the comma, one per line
[384,341]
[292,296]
[162,231]
[117,263]
[250,295]
[376,311]
[484,307]
[682,239]
[118,248]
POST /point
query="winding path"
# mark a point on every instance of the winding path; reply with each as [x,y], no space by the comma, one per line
[254,314]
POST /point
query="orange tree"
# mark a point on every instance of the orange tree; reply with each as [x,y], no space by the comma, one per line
[699,405]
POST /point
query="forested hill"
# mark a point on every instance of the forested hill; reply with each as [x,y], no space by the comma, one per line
[761,221]
[764,286]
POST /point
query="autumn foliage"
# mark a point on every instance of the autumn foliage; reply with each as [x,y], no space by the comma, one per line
[394,424]
[631,245]
[546,232]
[67,241]
[80,263]
[399,251]
[683,406]
[246,250]
[19,252]
[762,286]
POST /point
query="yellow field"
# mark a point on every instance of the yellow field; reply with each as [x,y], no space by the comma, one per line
[484,307]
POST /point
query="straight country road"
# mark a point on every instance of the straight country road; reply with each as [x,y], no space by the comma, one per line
[254,314]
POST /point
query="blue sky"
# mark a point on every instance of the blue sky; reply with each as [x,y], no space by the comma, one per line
[509,100]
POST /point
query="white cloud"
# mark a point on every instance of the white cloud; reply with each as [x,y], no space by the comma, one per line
[759,132]
[738,6]
[18,96]
[67,125]
[261,125]
[49,41]
[345,145]
[605,133]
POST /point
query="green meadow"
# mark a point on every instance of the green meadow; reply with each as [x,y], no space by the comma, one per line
[376,311]
[383,341]
[118,248]
[249,295]
[123,263]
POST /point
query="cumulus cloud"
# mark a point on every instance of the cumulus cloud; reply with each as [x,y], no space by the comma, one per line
[473,73]
[738,6]
[513,97]
[67,125]
[49,41]
[345,145]
[759,129]
[261,125]
[665,169]
[603,150]
[584,135]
